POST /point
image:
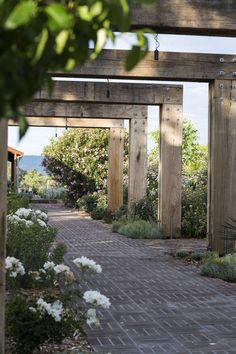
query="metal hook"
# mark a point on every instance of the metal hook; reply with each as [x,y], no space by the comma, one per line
[156,51]
[66,124]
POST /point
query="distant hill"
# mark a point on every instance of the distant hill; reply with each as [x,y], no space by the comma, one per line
[32,162]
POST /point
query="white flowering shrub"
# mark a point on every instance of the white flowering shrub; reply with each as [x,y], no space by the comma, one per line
[29,238]
[85,263]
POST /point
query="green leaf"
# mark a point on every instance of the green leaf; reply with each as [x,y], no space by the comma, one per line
[23,125]
[101,40]
[41,45]
[61,40]
[59,17]
[70,64]
[21,14]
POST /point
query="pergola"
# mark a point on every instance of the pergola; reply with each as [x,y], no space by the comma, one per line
[79,104]
[213,17]
[13,156]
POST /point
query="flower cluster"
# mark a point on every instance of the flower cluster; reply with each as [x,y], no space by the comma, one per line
[28,217]
[14,267]
[97,299]
[86,263]
[55,310]
[92,317]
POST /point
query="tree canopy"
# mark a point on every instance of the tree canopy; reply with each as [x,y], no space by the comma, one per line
[41,36]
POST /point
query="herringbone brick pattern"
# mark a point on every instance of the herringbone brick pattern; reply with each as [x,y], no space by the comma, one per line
[159,304]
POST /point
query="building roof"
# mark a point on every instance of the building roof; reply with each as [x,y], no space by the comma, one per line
[15,152]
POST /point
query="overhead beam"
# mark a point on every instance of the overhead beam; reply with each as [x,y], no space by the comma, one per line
[84,110]
[102,92]
[170,66]
[71,122]
[195,17]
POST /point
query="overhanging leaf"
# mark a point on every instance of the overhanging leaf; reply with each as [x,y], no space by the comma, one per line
[23,125]
[21,14]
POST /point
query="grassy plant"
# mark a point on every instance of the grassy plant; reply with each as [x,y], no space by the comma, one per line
[137,229]
[182,253]
[220,267]
[15,201]
[58,252]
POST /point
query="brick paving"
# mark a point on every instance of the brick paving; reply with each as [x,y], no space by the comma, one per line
[159,304]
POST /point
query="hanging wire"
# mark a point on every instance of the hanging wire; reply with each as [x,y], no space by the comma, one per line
[156,51]
[108,88]
[56,133]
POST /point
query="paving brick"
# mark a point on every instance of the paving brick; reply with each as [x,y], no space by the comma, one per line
[159,304]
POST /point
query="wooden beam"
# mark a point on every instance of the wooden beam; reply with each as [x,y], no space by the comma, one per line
[84,110]
[3,211]
[115,169]
[196,17]
[101,92]
[71,122]
[222,161]
[137,159]
[170,66]
[170,172]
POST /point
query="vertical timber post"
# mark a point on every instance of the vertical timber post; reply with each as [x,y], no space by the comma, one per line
[170,169]
[115,168]
[137,159]
[3,208]
[222,160]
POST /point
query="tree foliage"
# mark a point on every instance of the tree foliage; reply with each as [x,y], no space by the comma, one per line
[40,36]
[79,160]
[34,182]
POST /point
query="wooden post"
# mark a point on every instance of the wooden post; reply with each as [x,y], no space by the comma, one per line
[137,159]
[115,168]
[170,170]
[3,192]
[222,160]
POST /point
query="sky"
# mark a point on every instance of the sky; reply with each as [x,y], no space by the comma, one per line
[195,94]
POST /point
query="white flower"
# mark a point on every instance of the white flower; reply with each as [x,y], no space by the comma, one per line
[24,213]
[55,309]
[41,215]
[85,262]
[92,317]
[41,223]
[95,298]
[32,309]
[14,266]
[14,218]
[49,265]
[61,268]
[28,223]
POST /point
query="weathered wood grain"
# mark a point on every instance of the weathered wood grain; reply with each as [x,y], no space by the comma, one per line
[222,161]
[71,122]
[137,159]
[170,66]
[170,172]
[196,17]
[102,92]
[115,168]
[3,211]
[84,110]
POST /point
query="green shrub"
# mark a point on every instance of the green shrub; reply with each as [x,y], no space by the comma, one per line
[87,202]
[144,209]
[30,244]
[220,267]
[198,255]
[58,253]
[182,253]
[121,212]
[15,202]
[137,229]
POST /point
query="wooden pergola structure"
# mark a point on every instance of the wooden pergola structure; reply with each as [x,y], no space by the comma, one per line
[79,104]
[13,156]
[213,17]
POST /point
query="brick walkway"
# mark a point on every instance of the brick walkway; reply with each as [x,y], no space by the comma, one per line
[159,304]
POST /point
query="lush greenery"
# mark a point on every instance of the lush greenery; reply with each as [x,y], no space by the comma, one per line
[15,202]
[79,160]
[137,228]
[38,37]
[34,182]
[37,311]
[220,267]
